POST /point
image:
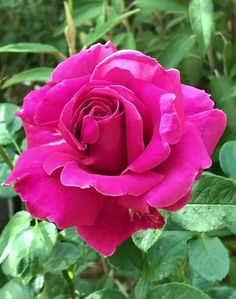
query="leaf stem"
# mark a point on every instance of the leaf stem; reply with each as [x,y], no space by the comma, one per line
[5,157]
[70,283]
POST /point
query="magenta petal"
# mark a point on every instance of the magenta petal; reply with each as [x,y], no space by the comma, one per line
[170,125]
[46,197]
[50,107]
[83,63]
[89,130]
[115,224]
[109,152]
[129,183]
[187,158]
[180,203]
[195,100]
[32,101]
[211,125]
[36,136]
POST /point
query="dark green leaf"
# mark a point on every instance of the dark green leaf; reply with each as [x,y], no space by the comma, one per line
[106,294]
[101,30]
[168,255]
[64,254]
[176,50]
[169,6]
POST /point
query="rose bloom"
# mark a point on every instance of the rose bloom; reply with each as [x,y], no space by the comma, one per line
[112,138]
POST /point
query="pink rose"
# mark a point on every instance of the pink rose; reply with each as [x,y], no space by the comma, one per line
[112,138]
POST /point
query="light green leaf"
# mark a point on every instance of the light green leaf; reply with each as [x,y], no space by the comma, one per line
[176,50]
[31,48]
[9,123]
[18,223]
[228,158]
[101,30]
[176,290]
[213,205]
[15,289]
[29,249]
[209,258]
[167,256]
[64,254]
[106,294]
[145,239]
[168,6]
[40,74]
[201,18]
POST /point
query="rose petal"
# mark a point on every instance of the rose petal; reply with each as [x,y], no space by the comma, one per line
[129,183]
[211,125]
[83,63]
[50,107]
[195,100]
[115,224]
[36,136]
[187,158]
[46,197]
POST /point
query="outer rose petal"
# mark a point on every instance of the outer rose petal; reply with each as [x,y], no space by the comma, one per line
[83,63]
[211,125]
[36,136]
[129,183]
[116,224]
[46,197]
[199,111]
[195,100]
[31,102]
[180,170]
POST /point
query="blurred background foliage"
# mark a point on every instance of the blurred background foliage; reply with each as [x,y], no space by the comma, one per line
[195,255]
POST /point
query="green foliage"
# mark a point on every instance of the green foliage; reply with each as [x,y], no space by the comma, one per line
[194,255]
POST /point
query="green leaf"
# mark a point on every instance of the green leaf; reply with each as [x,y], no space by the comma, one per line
[201,18]
[228,159]
[176,290]
[222,292]
[9,123]
[213,205]
[40,74]
[127,257]
[209,258]
[229,59]
[145,239]
[64,254]
[106,294]
[167,256]
[168,6]
[55,287]
[31,48]
[101,30]
[15,289]
[176,50]
[29,249]
[18,223]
